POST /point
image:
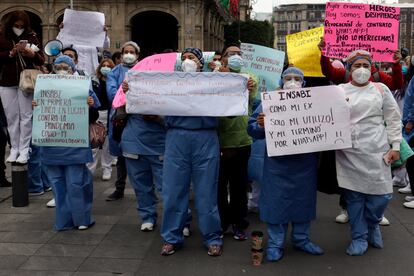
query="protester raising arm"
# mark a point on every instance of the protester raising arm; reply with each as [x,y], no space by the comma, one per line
[338,75]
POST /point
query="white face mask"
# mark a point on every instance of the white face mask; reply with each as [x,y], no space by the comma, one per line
[189,65]
[361,75]
[129,58]
[18,31]
[292,84]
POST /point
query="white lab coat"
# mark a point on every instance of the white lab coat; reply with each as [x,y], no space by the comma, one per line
[375,125]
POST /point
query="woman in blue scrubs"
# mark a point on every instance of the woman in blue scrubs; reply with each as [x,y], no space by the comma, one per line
[288,192]
[191,155]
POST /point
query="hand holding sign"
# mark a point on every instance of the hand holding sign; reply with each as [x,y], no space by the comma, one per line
[305,120]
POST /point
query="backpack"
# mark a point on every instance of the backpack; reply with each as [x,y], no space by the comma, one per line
[97,134]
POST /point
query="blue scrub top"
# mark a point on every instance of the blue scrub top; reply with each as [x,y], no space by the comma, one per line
[141,136]
[191,123]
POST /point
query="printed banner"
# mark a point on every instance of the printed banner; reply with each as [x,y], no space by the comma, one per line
[306,120]
[350,26]
[303,51]
[266,63]
[83,28]
[61,117]
[187,94]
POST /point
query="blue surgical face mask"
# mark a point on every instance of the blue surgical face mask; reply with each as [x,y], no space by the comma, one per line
[404,70]
[235,63]
[105,70]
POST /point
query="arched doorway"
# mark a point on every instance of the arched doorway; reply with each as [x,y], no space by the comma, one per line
[35,22]
[154,31]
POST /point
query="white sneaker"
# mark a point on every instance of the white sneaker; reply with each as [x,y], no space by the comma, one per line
[384,222]
[342,217]
[13,156]
[83,227]
[186,232]
[147,227]
[405,190]
[114,162]
[23,158]
[106,175]
[409,198]
[409,204]
[51,203]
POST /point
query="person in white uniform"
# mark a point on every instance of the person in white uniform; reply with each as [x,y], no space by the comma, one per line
[364,171]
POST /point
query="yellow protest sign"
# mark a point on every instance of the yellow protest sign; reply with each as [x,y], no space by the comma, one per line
[303,52]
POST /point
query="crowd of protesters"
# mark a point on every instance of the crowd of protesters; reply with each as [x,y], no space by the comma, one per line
[220,158]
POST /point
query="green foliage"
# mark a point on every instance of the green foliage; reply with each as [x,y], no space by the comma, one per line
[251,31]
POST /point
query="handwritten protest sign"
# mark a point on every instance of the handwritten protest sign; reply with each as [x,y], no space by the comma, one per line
[187,94]
[306,120]
[159,62]
[83,28]
[350,26]
[266,63]
[61,117]
[303,51]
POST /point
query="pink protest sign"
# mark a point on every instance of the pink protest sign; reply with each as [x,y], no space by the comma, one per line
[350,26]
[160,63]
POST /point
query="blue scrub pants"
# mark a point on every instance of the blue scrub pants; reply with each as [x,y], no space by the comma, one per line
[365,213]
[36,180]
[300,240]
[73,190]
[277,234]
[190,155]
[142,173]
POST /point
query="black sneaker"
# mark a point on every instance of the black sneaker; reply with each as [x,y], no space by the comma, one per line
[5,183]
[115,196]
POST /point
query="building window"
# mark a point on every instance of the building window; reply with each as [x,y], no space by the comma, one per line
[403,17]
[323,15]
[298,16]
[282,48]
[403,27]
[281,39]
[311,15]
[282,26]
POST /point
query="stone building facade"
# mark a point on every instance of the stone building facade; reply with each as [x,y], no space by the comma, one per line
[154,24]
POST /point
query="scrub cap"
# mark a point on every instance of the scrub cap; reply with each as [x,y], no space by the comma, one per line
[67,60]
[197,52]
[131,43]
[292,71]
[356,55]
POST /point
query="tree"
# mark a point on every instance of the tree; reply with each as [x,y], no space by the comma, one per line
[251,31]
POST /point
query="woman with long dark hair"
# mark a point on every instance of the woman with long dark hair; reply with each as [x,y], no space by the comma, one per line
[18,43]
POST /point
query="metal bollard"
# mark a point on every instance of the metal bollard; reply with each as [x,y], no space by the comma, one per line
[19,180]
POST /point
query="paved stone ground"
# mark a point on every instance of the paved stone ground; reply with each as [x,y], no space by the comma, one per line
[115,246]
